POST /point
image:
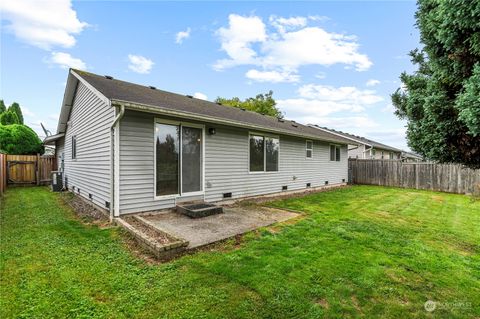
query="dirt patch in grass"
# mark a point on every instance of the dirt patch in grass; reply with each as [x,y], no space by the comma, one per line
[156,235]
[323,303]
[85,210]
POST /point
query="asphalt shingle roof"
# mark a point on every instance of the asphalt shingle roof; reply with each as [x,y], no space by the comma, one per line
[364,140]
[117,90]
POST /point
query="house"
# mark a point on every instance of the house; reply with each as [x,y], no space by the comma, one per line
[410,157]
[131,148]
[364,148]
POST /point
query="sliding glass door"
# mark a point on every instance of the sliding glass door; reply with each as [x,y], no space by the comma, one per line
[179,160]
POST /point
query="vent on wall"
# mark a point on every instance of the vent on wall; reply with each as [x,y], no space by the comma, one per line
[284,188]
[309,185]
[78,190]
[90,196]
[326,182]
[107,204]
[343,180]
[227,195]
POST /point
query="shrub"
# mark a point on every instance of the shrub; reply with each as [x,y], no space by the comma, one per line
[19,139]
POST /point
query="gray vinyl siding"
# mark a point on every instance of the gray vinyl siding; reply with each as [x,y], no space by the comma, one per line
[59,150]
[90,121]
[226,165]
[356,152]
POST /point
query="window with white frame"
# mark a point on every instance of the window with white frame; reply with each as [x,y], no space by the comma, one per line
[309,149]
[74,147]
[263,151]
[335,153]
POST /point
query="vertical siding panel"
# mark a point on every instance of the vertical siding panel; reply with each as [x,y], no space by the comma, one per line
[90,120]
[226,165]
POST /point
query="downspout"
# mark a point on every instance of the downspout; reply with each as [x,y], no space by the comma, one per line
[115,175]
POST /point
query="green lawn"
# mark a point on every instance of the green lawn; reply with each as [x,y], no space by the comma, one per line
[359,251]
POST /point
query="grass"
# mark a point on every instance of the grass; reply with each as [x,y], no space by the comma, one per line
[358,252]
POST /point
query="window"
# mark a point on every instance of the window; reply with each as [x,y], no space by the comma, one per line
[178,166]
[334,153]
[309,149]
[391,155]
[74,147]
[263,153]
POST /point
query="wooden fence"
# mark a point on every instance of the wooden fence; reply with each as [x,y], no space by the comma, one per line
[3,173]
[25,170]
[451,178]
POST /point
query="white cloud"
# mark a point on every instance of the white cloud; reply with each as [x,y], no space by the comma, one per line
[272,76]
[140,64]
[344,94]
[317,103]
[44,24]
[182,35]
[65,61]
[389,108]
[372,82]
[290,44]
[200,96]
[237,39]
[26,112]
[284,24]
[321,75]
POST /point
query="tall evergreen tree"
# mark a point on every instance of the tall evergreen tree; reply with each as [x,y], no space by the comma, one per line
[3,108]
[8,118]
[15,107]
[441,100]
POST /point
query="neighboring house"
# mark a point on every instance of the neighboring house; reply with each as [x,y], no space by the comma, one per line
[131,148]
[411,157]
[364,148]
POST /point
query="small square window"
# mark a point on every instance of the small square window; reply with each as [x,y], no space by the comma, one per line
[334,153]
[309,149]
[74,147]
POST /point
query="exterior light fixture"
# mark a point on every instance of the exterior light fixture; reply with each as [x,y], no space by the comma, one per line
[212,131]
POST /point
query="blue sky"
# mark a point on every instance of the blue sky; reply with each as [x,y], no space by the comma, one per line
[328,63]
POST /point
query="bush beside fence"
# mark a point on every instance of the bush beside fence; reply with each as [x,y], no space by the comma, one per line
[451,178]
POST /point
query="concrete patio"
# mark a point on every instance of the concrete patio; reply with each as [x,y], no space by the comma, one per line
[203,231]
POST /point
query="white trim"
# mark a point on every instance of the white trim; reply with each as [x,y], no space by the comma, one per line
[214,120]
[264,135]
[330,154]
[116,169]
[180,194]
[308,149]
[90,87]
[338,134]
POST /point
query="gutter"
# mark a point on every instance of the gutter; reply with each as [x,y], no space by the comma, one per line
[115,164]
[216,120]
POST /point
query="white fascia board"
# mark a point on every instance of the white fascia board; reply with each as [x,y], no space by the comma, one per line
[208,119]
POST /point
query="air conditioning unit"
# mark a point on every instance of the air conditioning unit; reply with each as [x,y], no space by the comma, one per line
[57,181]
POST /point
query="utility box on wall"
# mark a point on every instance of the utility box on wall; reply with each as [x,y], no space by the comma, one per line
[57,181]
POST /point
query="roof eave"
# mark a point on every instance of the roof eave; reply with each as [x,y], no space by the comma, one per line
[215,120]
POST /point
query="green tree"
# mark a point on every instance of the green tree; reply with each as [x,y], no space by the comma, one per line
[3,108]
[441,100]
[262,103]
[15,107]
[19,139]
[9,117]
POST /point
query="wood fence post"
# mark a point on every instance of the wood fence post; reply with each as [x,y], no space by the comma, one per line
[38,169]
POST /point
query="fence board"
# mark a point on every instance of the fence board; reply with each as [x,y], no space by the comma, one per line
[27,169]
[452,178]
[3,173]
